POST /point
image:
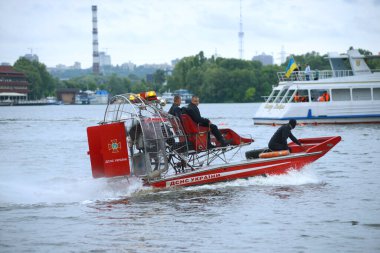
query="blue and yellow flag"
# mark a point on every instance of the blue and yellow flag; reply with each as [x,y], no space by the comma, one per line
[291,67]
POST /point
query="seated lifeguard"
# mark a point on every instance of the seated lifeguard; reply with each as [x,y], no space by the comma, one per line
[194,113]
[297,98]
[324,97]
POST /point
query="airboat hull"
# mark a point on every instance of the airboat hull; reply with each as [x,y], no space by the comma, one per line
[314,149]
[138,138]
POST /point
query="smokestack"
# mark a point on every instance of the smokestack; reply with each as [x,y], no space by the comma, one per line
[95,44]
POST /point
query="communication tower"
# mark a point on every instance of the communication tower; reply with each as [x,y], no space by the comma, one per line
[241,35]
[282,55]
[95,44]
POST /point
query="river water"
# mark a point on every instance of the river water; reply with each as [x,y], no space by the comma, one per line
[49,201]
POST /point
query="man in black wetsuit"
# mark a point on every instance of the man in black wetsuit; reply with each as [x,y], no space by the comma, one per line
[175,109]
[194,113]
[279,139]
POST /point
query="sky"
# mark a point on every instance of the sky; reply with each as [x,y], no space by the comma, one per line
[155,32]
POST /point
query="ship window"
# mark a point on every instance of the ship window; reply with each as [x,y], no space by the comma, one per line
[301,96]
[341,94]
[361,94]
[376,93]
[316,95]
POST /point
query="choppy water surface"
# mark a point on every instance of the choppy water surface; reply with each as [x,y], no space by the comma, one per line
[50,203]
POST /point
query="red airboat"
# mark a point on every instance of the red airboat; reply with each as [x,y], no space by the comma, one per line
[138,138]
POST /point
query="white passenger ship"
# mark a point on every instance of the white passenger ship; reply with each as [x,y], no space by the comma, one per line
[353,95]
[168,96]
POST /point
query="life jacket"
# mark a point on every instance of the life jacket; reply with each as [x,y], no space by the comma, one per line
[326,96]
[296,98]
[321,99]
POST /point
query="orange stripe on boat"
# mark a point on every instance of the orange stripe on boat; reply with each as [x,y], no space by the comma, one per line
[274,154]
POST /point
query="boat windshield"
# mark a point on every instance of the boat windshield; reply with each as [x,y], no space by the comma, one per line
[280,95]
[287,96]
[273,96]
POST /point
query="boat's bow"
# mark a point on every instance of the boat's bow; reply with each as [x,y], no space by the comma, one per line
[312,145]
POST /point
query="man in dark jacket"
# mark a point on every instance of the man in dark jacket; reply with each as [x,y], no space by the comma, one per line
[175,109]
[194,113]
[279,139]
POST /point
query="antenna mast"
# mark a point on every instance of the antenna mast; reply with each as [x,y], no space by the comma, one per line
[282,54]
[241,35]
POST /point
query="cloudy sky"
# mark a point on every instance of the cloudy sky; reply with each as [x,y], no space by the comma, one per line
[158,31]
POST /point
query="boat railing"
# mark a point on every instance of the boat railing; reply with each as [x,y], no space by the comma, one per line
[314,75]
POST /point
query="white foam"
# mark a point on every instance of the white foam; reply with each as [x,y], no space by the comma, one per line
[65,190]
[86,190]
[294,177]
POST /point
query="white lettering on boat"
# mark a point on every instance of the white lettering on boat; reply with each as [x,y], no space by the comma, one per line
[187,180]
[116,160]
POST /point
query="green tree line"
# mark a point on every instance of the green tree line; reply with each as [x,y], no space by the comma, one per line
[223,80]
[214,79]
[42,84]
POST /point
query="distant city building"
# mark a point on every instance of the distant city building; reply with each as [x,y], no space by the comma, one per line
[13,85]
[77,65]
[5,64]
[174,62]
[31,57]
[61,66]
[128,65]
[104,59]
[264,59]
[163,66]
[149,78]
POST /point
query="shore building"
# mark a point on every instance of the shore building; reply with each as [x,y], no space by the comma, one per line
[14,85]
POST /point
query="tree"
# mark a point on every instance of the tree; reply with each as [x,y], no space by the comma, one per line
[117,85]
[140,86]
[42,83]
[158,79]
[249,94]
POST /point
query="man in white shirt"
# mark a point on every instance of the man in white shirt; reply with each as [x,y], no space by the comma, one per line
[307,72]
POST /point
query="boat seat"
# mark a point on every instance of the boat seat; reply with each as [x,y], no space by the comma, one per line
[197,135]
